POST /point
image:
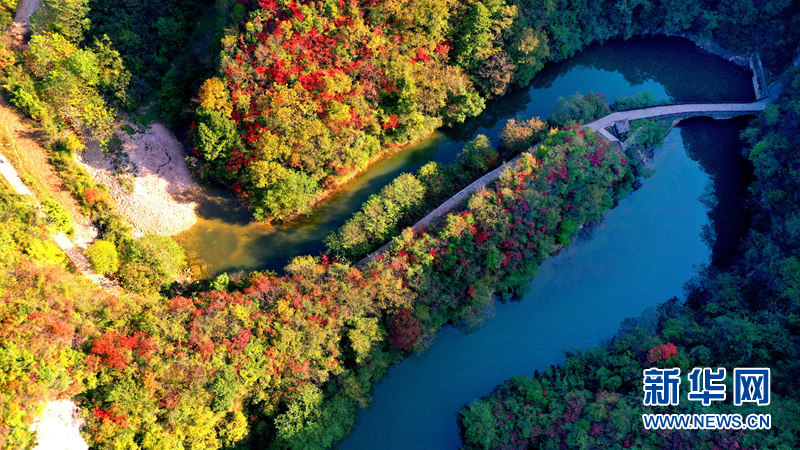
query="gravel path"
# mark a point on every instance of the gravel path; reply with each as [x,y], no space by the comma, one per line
[22,20]
[74,253]
[10,174]
[59,425]
[24,10]
[158,202]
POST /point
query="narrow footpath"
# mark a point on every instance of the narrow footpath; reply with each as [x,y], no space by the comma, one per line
[64,243]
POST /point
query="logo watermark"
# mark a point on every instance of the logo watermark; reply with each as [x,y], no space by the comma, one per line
[707,421]
[706,385]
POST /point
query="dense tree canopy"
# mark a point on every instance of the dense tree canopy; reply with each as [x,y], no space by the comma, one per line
[62,84]
[287,360]
[42,307]
[315,91]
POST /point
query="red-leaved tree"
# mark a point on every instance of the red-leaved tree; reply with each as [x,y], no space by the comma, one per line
[404,331]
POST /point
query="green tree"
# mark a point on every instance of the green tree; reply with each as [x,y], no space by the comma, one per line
[365,333]
[58,215]
[293,193]
[161,252]
[152,262]
[480,427]
[474,36]
[579,109]
[71,76]
[103,256]
[215,134]
[478,155]
[113,77]
[64,17]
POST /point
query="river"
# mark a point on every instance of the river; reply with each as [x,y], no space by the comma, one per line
[226,238]
[639,256]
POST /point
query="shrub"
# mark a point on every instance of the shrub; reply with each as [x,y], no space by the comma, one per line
[519,135]
[103,256]
[221,282]
[579,109]
[71,144]
[662,352]
[95,195]
[404,331]
[153,262]
[478,156]
[114,228]
[44,251]
[58,216]
[640,100]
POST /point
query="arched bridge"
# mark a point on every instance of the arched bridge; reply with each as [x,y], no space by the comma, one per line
[681,111]
[675,112]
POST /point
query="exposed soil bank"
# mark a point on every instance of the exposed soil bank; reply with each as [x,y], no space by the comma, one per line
[158,197]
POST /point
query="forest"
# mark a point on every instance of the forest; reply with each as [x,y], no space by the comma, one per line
[284,100]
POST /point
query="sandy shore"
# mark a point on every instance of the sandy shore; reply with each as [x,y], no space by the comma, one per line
[158,202]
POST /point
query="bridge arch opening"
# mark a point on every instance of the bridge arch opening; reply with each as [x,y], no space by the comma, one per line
[695,120]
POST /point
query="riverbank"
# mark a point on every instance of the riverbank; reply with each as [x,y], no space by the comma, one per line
[752,62]
[45,182]
[156,195]
[642,252]
[752,294]
[345,181]
[707,44]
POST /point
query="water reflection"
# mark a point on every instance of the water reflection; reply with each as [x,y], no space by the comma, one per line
[663,60]
[715,145]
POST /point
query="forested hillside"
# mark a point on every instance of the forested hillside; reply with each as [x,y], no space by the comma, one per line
[48,314]
[288,360]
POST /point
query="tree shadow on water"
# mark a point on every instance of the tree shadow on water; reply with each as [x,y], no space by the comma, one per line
[715,145]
